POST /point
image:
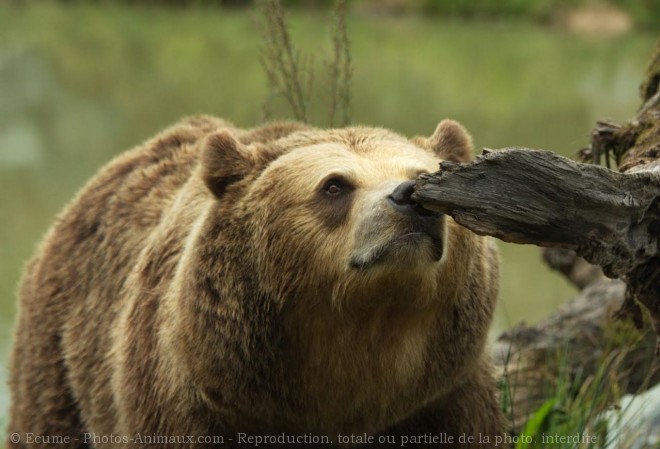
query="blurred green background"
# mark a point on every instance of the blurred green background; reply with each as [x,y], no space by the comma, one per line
[82,81]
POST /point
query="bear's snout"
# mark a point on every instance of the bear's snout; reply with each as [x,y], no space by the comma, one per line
[394,227]
[401,200]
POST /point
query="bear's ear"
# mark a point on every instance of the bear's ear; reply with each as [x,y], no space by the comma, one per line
[224,161]
[451,142]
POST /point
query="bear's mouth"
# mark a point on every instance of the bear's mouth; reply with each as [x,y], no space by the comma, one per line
[412,246]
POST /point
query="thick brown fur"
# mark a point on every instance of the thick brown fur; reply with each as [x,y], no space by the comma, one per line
[205,284]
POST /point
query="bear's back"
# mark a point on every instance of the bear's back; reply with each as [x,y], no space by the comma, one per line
[104,227]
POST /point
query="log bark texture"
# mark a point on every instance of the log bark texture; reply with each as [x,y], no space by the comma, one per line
[533,196]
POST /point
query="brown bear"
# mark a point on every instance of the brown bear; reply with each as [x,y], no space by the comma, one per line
[220,287]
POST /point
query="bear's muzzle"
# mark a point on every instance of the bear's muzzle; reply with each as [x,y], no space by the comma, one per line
[400,230]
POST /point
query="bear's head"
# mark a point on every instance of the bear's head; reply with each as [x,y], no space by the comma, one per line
[331,211]
[333,285]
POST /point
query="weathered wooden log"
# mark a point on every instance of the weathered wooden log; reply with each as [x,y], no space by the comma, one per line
[533,196]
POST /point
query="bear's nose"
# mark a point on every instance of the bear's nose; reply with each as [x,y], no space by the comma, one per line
[401,200]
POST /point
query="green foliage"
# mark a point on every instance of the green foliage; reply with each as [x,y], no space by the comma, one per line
[536,424]
[540,10]
[645,12]
[309,3]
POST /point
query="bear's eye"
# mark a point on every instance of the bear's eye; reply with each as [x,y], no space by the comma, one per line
[335,187]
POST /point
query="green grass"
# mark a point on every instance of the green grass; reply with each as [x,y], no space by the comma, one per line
[581,402]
